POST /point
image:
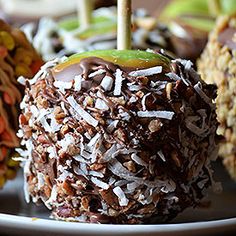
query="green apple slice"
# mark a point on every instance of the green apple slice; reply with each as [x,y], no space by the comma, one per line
[128,58]
[98,29]
[181,7]
[72,23]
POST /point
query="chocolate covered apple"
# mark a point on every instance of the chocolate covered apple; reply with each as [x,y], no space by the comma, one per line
[118,136]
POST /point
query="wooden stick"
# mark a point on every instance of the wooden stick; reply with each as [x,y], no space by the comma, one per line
[84,10]
[124,25]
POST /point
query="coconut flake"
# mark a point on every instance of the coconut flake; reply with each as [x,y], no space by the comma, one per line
[81,218]
[96,174]
[83,167]
[94,140]
[121,182]
[41,181]
[36,77]
[53,124]
[101,105]
[198,89]
[112,126]
[123,201]
[45,125]
[66,141]
[41,113]
[186,63]
[132,186]
[138,160]
[85,154]
[21,80]
[34,110]
[169,186]
[119,170]
[118,82]
[161,155]
[52,63]
[98,72]
[79,158]
[85,115]
[173,76]
[158,114]
[26,189]
[104,208]
[20,133]
[62,86]
[64,175]
[78,82]
[107,83]
[44,70]
[87,135]
[114,151]
[133,99]
[143,101]
[147,72]
[64,108]
[100,183]
[79,171]
[158,84]
[124,115]
[52,152]
[68,163]
[146,198]
[52,198]
[112,181]
[201,184]
[134,87]
[108,154]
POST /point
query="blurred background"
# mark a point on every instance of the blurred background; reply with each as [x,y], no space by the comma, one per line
[21,11]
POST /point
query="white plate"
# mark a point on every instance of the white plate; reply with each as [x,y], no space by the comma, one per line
[18,218]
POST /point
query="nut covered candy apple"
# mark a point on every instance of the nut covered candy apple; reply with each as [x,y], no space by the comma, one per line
[118,136]
[17,57]
[217,65]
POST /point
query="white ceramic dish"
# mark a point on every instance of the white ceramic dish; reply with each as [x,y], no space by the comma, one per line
[18,218]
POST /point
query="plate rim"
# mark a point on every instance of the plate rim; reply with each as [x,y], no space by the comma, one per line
[38,224]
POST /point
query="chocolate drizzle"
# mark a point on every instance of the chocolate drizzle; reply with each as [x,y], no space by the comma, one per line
[93,63]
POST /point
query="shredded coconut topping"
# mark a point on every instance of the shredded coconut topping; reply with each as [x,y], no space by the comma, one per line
[159,114]
[85,115]
[147,72]
[123,201]
[118,82]
[62,86]
[100,183]
[107,83]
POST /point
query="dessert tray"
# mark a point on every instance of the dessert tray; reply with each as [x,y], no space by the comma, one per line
[216,216]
